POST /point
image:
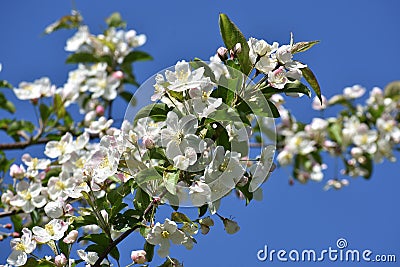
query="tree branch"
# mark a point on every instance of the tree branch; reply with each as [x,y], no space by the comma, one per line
[9,213]
[22,145]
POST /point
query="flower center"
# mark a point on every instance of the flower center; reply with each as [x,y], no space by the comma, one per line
[224,165]
[50,229]
[20,247]
[60,185]
[165,234]
[26,194]
[364,139]
[104,163]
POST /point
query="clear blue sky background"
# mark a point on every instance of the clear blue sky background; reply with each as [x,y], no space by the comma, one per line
[359,44]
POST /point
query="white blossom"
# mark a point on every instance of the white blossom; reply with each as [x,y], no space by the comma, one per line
[200,193]
[162,234]
[101,125]
[184,78]
[81,37]
[203,104]
[28,196]
[88,257]
[180,134]
[21,247]
[260,171]
[53,230]
[39,88]
[34,164]
[353,92]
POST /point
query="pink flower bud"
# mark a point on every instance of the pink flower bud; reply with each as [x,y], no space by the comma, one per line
[16,171]
[100,110]
[15,234]
[148,142]
[221,52]
[237,49]
[118,75]
[139,256]
[8,226]
[69,209]
[71,237]
[60,260]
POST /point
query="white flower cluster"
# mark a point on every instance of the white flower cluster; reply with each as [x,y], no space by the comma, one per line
[275,61]
[366,132]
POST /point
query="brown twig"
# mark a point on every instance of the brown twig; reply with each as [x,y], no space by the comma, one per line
[23,144]
[9,213]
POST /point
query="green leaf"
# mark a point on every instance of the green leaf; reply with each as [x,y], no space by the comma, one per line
[66,22]
[128,219]
[231,35]
[297,87]
[335,132]
[141,200]
[45,112]
[59,106]
[202,210]
[303,46]
[31,262]
[149,248]
[198,63]
[6,104]
[246,193]
[180,217]
[171,179]
[127,96]
[64,248]
[81,58]
[5,84]
[84,220]
[392,90]
[17,222]
[115,20]
[157,112]
[137,55]
[312,81]
[368,165]
[101,239]
[147,175]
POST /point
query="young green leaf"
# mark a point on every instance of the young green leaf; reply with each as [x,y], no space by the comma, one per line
[312,81]
[231,35]
[303,46]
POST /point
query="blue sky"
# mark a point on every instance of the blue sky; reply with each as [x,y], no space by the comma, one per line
[359,45]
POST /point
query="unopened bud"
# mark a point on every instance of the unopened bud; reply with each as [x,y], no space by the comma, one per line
[237,49]
[100,110]
[139,256]
[148,142]
[243,181]
[231,227]
[118,75]
[8,226]
[15,234]
[60,260]
[71,237]
[17,171]
[222,53]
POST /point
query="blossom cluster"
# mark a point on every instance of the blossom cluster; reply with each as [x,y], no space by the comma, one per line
[362,134]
